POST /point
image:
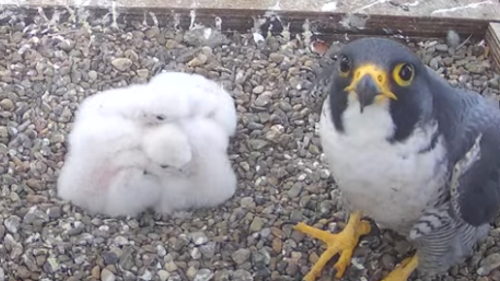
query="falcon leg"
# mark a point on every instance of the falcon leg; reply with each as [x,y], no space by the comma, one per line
[342,243]
[403,271]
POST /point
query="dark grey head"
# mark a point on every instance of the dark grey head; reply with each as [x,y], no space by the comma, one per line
[381,72]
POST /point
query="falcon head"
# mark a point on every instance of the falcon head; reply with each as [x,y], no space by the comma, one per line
[377,72]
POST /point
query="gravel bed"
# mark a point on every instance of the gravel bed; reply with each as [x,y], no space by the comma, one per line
[47,68]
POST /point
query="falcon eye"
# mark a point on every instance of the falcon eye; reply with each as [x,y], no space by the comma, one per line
[403,74]
[344,65]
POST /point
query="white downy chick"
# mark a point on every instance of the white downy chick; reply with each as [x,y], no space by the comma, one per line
[104,167]
[168,147]
[138,102]
[205,97]
[208,179]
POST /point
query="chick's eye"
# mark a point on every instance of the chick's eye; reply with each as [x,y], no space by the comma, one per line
[403,74]
[160,117]
[344,65]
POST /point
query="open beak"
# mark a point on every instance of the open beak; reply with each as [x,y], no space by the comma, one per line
[370,84]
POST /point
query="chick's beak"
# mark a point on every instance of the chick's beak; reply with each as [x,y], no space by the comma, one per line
[370,84]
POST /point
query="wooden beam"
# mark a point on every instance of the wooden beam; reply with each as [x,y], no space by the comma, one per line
[324,23]
[493,42]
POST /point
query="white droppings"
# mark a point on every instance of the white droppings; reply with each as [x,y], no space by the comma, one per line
[192,17]
[207,32]
[369,6]
[154,18]
[114,14]
[413,4]
[354,20]
[218,23]
[276,6]
[329,7]
[257,37]
[460,8]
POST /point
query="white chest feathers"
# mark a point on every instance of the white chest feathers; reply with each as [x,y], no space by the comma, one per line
[390,182]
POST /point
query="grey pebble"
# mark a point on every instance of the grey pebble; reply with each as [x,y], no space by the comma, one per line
[208,249]
[258,89]
[257,224]
[163,275]
[295,190]
[241,255]
[203,274]
[110,257]
[257,144]
[107,275]
[242,275]
[441,48]
[198,238]
[7,104]
[121,64]
[488,264]
[263,100]
[12,224]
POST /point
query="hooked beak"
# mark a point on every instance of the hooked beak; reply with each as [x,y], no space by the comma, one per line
[370,84]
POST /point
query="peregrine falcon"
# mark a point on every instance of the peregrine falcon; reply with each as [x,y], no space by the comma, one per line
[411,152]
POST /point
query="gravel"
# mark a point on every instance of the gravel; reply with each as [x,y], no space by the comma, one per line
[47,68]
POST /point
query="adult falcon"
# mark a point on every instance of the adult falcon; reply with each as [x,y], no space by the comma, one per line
[411,152]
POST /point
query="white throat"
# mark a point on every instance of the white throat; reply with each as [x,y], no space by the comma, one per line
[374,123]
[390,182]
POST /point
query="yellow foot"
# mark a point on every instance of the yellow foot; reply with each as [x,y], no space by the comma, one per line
[403,271]
[342,243]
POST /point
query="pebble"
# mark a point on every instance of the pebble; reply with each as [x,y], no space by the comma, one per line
[489,263]
[256,224]
[295,190]
[203,274]
[441,47]
[257,144]
[170,266]
[6,104]
[12,224]
[122,64]
[198,238]
[163,275]
[263,100]
[143,73]
[258,89]
[242,275]
[107,275]
[240,256]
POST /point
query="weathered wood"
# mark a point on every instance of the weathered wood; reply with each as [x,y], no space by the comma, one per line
[324,23]
[493,41]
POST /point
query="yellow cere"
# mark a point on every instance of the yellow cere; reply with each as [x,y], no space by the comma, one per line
[378,75]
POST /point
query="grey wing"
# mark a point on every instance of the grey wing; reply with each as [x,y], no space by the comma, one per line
[475,179]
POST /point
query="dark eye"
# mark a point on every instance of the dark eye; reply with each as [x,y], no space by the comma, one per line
[160,117]
[165,166]
[403,74]
[406,72]
[344,64]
